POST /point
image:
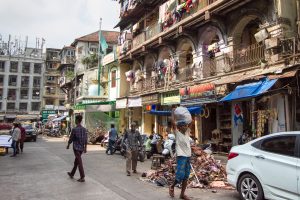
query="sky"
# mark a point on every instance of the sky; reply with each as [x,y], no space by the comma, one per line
[59,22]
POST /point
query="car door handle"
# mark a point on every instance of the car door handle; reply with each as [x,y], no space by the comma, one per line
[260,157]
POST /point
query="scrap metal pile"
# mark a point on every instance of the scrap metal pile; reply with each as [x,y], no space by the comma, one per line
[206,172]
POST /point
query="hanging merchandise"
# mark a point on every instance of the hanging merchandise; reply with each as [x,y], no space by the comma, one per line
[238,114]
[129,75]
[262,117]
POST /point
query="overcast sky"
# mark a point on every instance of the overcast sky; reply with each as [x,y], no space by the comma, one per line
[58,21]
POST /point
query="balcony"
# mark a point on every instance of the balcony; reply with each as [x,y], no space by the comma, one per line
[138,40]
[68,60]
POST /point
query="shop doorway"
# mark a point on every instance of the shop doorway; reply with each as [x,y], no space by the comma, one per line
[209,124]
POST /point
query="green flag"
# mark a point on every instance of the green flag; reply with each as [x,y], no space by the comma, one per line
[103,44]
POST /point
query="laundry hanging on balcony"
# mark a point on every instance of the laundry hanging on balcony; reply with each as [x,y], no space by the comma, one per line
[250,90]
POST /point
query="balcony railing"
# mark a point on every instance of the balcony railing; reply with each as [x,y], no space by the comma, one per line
[152,31]
[138,40]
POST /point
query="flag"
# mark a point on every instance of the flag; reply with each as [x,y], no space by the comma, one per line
[102,43]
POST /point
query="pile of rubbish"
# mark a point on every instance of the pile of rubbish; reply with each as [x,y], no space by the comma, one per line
[206,172]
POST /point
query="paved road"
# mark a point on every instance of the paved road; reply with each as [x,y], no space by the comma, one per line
[40,173]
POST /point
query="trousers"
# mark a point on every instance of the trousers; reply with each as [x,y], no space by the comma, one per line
[131,160]
[78,164]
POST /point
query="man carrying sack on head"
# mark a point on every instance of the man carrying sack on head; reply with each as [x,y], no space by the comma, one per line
[182,119]
[133,141]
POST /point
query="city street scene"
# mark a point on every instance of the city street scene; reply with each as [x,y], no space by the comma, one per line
[150,99]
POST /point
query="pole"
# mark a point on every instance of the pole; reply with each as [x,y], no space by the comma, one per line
[99,56]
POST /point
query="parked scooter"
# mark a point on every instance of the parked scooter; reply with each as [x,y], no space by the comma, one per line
[54,133]
[169,146]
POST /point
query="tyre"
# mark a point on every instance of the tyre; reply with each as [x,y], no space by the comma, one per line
[250,188]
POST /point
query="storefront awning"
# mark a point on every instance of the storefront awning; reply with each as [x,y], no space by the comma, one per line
[59,119]
[196,110]
[250,90]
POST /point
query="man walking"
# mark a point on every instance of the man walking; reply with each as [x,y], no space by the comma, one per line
[182,119]
[23,137]
[112,137]
[133,141]
[16,135]
[79,139]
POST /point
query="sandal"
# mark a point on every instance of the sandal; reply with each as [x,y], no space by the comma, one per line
[184,197]
[171,191]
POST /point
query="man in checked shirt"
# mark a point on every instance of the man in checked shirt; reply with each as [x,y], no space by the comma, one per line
[79,139]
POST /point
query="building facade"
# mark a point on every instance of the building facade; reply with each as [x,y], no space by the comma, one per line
[21,80]
[195,53]
[53,96]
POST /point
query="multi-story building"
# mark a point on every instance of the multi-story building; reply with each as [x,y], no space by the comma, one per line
[53,96]
[193,53]
[67,73]
[92,92]
[21,78]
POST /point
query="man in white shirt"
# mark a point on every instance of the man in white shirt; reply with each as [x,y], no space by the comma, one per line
[183,119]
[16,136]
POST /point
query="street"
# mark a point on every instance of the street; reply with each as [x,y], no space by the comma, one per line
[40,173]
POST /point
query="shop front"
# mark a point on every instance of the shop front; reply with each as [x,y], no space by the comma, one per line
[255,111]
[135,111]
[205,123]
[149,121]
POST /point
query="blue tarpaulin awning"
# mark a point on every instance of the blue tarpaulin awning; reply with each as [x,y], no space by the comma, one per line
[196,110]
[250,90]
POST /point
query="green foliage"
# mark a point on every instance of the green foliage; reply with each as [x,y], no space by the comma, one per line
[70,75]
[90,61]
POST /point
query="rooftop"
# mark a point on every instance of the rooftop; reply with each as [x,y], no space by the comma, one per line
[111,37]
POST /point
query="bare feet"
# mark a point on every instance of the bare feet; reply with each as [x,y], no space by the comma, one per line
[184,197]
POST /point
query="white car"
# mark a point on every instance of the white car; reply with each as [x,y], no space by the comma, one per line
[266,168]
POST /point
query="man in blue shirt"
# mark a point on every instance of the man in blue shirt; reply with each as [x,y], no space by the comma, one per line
[112,137]
[79,139]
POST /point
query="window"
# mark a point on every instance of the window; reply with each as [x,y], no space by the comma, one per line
[13,67]
[51,78]
[24,94]
[35,106]
[36,82]
[0,105]
[23,107]
[11,106]
[284,145]
[36,94]
[26,67]
[94,50]
[50,91]
[1,93]
[49,102]
[25,81]
[37,68]
[61,102]
[113,78]
[12,80]
[2,66]
[1,80]
[80,50]
[11,94]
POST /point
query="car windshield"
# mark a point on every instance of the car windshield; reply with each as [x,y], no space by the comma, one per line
[27,126]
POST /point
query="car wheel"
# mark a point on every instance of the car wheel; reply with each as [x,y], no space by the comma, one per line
[250,188]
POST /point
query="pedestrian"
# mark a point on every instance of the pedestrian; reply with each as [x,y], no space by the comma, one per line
[133,140]
[182,119]
[112,137]
[79,139]
[23,137]
[16,136]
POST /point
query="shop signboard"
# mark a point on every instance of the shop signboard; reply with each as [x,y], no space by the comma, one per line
[109,58]
[170,98]
[198,94]
[102,108]
[121,103]
[150,99]
[46,113]
[134,102]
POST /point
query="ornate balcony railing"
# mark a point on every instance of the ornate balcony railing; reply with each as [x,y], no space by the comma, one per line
[152,31]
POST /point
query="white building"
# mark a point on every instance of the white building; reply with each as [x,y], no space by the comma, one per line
[21,85]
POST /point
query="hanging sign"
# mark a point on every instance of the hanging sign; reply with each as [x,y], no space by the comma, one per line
[170,98]
[121,103]
[198,94]
[150,99]
[134,102]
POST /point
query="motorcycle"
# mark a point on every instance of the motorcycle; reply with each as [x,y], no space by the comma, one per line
[169,146]
[54,133]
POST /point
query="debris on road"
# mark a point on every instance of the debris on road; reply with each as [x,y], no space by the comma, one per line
[207,173]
